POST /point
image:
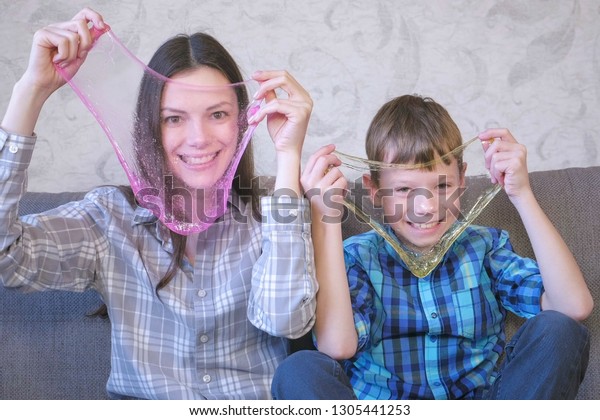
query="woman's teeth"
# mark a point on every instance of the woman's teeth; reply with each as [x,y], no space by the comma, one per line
[197,160]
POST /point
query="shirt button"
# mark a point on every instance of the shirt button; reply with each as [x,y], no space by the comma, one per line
[13,148]
[206,379]
[436,383]
[434,315]
[201,292]
[203,338]
[433,338]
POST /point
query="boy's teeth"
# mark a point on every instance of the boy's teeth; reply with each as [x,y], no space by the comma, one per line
[424,225]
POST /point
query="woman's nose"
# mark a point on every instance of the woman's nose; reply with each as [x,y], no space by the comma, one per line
[197,135]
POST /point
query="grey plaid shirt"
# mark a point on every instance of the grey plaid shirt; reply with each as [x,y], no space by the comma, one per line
[217,331]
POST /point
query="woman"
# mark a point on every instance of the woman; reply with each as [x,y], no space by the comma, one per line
[205,316]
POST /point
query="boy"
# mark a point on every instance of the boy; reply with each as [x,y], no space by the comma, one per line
[403,337]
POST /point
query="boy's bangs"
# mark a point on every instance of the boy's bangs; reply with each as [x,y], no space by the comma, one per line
[420,153]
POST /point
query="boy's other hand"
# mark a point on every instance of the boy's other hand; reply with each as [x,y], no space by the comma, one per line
[506,160]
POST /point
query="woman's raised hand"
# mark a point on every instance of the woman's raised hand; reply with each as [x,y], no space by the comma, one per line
[287,123]
[287,117]
[63,44]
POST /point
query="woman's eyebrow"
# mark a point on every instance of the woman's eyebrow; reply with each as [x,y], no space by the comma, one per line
[210,108]
[218,105]
[170,109]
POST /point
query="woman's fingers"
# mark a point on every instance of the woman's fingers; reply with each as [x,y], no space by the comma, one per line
[72,39]
[271,80]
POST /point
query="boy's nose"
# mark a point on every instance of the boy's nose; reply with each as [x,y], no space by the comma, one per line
[423,206]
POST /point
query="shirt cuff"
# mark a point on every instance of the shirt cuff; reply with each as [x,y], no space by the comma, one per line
[16,150]
[284,210]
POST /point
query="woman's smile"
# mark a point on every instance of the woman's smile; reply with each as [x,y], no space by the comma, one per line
[194,161]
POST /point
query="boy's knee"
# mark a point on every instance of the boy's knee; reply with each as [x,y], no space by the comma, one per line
[310,374]
[293,363]
[304,362]
[557,321]
[556,325]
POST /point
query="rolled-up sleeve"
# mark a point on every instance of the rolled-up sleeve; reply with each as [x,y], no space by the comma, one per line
[15,155]
[518,280]
[284,286]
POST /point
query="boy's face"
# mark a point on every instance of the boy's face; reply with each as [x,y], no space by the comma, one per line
[420,205]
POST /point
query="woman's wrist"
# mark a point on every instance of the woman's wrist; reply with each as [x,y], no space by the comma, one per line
[24,109]
[287,181]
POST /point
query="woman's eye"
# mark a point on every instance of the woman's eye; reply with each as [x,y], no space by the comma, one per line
[219,115]
[173,119]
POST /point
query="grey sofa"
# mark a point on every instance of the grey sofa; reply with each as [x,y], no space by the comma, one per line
[50,349]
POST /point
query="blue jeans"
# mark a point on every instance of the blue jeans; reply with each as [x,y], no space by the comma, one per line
[546,359]
[311,375]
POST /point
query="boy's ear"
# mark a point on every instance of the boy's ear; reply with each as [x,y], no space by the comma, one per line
[369,184]
[463,172]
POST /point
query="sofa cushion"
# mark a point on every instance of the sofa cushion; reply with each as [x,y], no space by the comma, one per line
[49,347]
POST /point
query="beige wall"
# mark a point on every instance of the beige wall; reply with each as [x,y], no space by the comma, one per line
[530,65]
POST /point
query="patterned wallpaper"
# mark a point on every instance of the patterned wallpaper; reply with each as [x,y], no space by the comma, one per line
[530,65]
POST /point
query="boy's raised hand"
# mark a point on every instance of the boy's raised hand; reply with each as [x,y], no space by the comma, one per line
[323,182]
[506,160]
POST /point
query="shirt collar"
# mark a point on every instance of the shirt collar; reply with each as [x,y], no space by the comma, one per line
[144,216]
[390,249]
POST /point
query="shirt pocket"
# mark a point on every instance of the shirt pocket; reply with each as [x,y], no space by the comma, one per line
[465,307]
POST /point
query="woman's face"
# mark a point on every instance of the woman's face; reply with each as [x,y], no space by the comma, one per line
[199,127]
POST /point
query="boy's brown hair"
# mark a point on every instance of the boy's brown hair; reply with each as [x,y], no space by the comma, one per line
[411,129]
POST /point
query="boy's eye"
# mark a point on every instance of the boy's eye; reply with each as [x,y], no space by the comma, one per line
[443,186]
[402,190]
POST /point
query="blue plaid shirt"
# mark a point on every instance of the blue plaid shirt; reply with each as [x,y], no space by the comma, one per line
[440,336]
